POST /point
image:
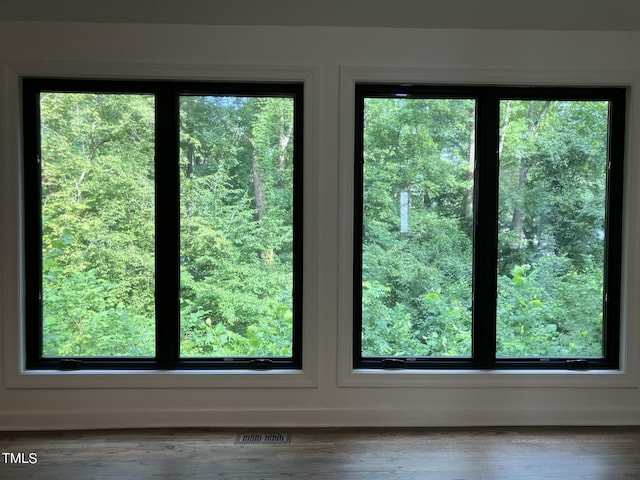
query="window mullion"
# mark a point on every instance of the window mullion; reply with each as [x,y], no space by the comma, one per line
[485,234]
[167,240]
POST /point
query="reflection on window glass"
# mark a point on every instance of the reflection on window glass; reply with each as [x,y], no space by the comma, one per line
[417,227]
[97,202]
[236,226]
[553,167]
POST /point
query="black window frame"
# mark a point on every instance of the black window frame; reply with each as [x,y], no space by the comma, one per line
[167,95]
[485,234]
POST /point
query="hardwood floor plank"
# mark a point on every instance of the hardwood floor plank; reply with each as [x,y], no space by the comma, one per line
[349,454]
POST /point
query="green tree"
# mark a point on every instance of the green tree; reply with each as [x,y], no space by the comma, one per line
[552,211]
[236,226]
[418,159]
[97,224]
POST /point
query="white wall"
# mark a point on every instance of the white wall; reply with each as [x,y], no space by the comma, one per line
[328,393]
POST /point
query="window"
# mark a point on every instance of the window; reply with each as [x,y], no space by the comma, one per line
[163,224]
[487,229]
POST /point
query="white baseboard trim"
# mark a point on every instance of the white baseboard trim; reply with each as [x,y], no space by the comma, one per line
[47,420]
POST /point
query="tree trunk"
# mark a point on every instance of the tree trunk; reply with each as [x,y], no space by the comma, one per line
[258,191]
[285,138]
[534,119]
[468,208]
[260,198]
[503,129]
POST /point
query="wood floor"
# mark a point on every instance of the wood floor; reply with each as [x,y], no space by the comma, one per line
[349,454]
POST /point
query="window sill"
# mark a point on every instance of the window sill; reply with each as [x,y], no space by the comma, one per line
[167,379]
[487,379]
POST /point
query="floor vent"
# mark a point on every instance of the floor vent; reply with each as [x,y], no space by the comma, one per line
[252,438]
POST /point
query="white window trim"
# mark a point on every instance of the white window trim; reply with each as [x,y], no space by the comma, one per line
[11,239]
[626,376]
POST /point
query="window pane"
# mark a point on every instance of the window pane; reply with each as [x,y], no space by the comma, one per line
[553,167]
[97,184]
[417,227]
[236,200]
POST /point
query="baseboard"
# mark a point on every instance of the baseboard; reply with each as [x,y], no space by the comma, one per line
[292,418]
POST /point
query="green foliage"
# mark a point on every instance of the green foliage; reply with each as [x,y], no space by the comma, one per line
[550,310]
[236,258]
[551,233]
[416,297]
[417,282]
[236,226]
[98,225]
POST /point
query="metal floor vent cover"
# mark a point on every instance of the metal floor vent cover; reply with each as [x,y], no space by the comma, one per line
[252,438]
